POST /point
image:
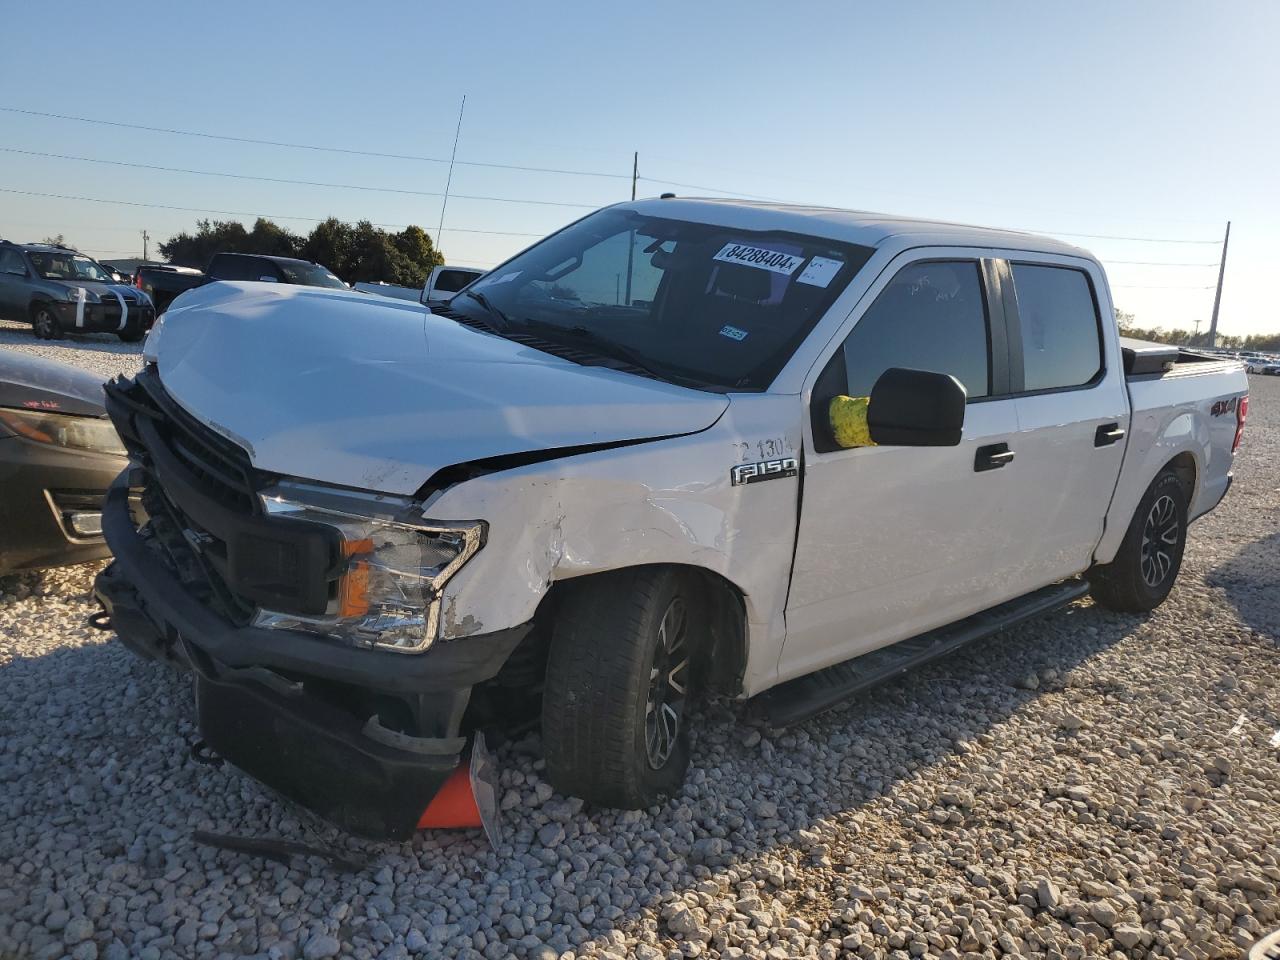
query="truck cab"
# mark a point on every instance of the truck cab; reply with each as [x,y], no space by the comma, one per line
[679,448]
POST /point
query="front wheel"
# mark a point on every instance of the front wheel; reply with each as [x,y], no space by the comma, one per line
[618,687]
[1150,556]
[45,325]
[131,334]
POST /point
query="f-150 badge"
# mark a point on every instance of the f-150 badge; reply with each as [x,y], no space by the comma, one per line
[764,470]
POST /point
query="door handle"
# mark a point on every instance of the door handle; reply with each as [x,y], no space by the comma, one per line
[992,457]
[1107,434]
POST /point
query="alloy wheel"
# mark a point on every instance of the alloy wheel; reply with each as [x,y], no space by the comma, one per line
[668,685]
[1160,535]
[46,327]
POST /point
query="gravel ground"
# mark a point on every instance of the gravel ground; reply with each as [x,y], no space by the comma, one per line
[1088,785]
[100,352]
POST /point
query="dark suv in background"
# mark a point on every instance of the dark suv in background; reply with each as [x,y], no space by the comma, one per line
[58,290]
[164,282]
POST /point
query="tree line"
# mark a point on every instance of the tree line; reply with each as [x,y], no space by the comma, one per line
[1269,342]
[353,252]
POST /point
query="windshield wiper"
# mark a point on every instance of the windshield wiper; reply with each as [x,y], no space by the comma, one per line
[605,347]
[493,311]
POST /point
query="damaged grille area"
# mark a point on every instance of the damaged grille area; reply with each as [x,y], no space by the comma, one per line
[202,494]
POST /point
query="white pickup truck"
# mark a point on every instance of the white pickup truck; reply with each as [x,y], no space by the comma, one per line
[444,281]
[679,448]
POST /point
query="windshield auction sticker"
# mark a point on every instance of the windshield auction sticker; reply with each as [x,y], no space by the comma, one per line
[820,271]
[774,261]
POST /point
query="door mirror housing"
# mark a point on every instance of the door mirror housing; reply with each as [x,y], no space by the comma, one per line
[916,408]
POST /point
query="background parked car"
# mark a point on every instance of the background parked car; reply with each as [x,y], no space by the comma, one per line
[444,281]
[165,281]
[392,290]
[162,282]
[58,455]
[58,290]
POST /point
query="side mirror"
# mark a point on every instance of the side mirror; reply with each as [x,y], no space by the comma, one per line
[916,408]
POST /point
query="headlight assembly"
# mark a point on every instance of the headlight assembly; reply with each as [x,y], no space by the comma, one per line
[392,569]
[62,430]
[74,294]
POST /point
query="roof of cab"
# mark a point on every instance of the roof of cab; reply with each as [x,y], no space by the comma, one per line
[852,226]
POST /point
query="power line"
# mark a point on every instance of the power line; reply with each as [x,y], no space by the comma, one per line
[1159,286]
[695,186]
[317,147]
[305,183]
[241,213]
[441,160]
[1158,263]
[1107,236]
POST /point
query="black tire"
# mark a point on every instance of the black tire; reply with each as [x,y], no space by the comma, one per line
[131,335]
[600,729]
[44,323]
[1150,556]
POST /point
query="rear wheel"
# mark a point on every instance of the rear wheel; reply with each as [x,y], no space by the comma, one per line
[1150,556]
[618,688]
[45,324]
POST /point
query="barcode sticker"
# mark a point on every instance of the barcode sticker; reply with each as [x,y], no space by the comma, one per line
[763,258]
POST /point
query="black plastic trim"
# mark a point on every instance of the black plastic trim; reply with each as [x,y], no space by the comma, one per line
[446,666]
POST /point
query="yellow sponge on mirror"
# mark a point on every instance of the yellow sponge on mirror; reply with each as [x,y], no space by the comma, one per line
[849,421]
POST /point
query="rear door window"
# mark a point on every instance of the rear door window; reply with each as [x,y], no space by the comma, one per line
[1058,322]
[932,316]
[11,262]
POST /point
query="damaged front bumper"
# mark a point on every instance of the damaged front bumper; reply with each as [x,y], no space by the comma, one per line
[365,738]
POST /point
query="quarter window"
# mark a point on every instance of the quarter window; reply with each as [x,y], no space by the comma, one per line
[932,316]
[1058,321]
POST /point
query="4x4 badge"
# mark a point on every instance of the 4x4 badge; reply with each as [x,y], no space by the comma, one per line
[764,470]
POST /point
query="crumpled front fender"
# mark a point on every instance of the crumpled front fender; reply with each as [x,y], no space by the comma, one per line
[664,502]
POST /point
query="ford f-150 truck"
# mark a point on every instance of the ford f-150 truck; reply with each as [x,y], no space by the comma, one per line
[679,448]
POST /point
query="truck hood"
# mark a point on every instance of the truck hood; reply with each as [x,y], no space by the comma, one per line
[378,394]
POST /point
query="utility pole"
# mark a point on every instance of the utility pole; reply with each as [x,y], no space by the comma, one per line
[1217,297]
[449,180]
[635,173]
[145,238]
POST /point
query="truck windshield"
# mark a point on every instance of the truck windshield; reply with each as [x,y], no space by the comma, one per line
[695,303]
[67,266]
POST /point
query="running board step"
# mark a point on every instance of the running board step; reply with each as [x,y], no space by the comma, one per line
[818,692]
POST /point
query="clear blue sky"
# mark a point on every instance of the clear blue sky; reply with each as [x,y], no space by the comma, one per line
[1137,119]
